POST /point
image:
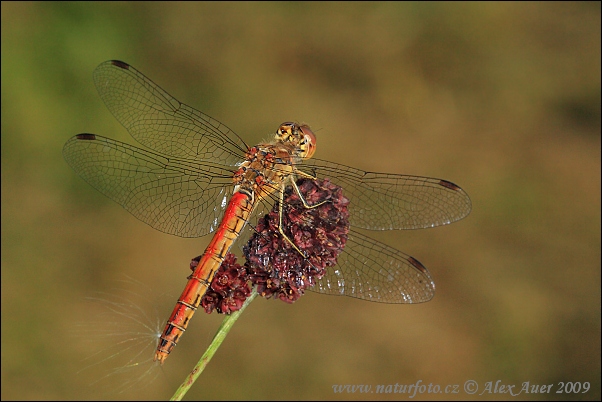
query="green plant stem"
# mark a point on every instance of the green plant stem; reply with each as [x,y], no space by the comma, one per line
[219,337]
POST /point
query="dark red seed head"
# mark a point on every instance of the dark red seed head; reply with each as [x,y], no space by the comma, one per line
[283,268]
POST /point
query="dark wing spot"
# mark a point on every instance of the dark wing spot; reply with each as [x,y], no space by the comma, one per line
[120,64]
[417,264]
[85,137]
[448,184]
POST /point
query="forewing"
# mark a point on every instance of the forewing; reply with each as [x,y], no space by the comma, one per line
[383,201]
[162,123]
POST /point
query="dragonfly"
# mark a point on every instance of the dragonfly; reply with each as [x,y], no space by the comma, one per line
[196,176]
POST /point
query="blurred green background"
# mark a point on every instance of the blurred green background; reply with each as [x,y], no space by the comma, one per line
[502,99]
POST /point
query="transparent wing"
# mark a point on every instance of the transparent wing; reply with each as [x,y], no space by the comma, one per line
[382,201]
[160,122]
[370,270]
[173,195]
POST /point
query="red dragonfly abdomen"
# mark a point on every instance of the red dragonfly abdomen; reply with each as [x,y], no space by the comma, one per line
[235,217]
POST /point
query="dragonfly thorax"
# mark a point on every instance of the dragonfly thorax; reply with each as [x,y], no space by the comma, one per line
[267,166]
[264,170]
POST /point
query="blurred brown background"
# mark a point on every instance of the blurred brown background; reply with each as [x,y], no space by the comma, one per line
[502,99]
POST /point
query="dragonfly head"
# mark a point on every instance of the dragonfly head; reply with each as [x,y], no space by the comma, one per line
[299,136]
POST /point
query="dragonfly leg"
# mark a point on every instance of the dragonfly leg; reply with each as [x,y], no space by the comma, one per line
[305,204]
[298,191]
[280,226]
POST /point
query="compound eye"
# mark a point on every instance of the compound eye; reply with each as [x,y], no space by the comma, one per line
[309,140]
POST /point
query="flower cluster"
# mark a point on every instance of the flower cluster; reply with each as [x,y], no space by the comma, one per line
[229,288]
[283,262]
[284,266]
